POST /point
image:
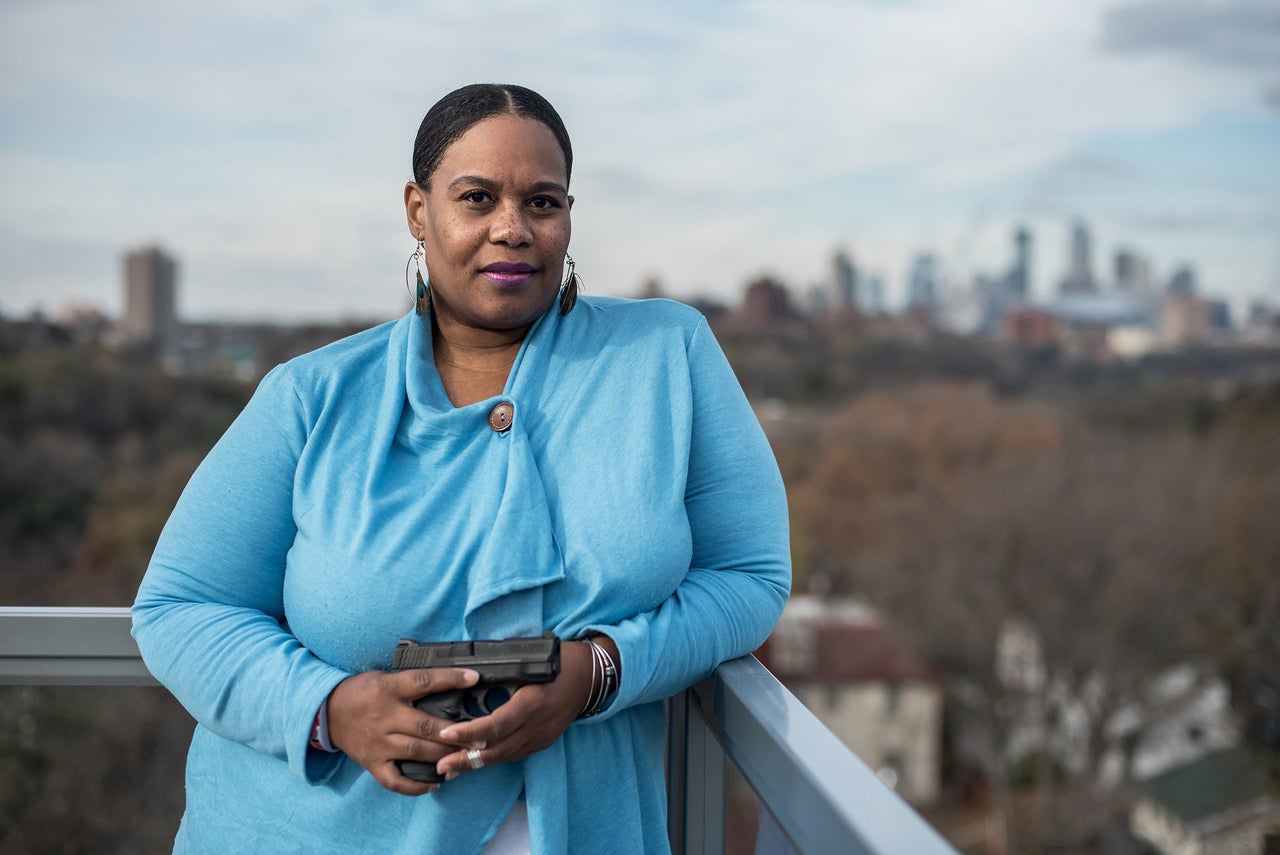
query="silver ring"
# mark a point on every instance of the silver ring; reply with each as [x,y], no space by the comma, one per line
[475,758]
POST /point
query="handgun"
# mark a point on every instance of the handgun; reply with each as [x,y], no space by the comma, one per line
[503,665]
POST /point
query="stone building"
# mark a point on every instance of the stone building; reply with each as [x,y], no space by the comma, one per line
[841,660]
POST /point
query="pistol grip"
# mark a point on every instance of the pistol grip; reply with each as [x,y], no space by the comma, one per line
[450,704]
[416,770]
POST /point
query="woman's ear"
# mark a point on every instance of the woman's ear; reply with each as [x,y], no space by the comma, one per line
[415,210]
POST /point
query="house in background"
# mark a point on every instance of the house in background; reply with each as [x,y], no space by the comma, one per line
[1227,801]
[842,661]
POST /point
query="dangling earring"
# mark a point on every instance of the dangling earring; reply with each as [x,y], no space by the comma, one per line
[421,295]
[569,289]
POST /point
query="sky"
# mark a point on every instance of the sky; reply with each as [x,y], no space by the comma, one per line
[266,144]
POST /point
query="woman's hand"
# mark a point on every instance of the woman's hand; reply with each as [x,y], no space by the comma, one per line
[372,719]
[532,719]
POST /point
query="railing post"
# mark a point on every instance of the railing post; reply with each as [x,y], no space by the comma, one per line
[677,769]
[705,782]
[696,766]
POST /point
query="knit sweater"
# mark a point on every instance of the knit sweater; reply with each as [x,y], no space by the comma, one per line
[351,504]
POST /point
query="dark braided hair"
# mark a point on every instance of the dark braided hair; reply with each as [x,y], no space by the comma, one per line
[455,114]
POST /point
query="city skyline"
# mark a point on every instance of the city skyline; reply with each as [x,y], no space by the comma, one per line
[266,148]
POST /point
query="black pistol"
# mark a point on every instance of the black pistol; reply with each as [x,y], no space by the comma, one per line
[503,665]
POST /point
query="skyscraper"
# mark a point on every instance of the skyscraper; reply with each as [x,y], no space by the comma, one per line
[150,285]
[1020,275]
[1183,281]
[922,287]
[1133,275]
[1079,278]
[845,283]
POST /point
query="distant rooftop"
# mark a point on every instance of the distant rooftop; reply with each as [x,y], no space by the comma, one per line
[1220,783]
[837,641]
[811,609]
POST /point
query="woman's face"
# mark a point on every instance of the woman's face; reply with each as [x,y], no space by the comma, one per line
[495,224]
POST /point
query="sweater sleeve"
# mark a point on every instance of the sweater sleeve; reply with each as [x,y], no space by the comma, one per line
[740,573]
[209,615]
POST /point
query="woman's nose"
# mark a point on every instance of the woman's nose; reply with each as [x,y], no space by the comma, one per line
[509,226]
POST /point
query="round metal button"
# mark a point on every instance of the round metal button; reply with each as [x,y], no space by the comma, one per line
[500,416]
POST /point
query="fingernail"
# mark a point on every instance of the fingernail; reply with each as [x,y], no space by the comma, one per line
[432,788]
[479,745]
[471,676]
[447,733]
[449,776]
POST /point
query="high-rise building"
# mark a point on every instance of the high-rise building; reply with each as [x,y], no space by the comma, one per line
[1018,281]
[150,288]
[871,294]
[1183,281]
[1079,278]
[1133,274]
[845,284]
[922,286]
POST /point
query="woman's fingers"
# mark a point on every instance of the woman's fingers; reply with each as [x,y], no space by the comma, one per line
[534,717]
[373,720]
[420,682]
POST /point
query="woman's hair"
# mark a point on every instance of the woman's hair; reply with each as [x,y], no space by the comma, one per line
[454,114]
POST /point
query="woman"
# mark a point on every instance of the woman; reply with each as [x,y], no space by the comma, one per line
[500,462]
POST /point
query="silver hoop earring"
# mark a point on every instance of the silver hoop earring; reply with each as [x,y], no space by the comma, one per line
[421,294]
[569,288]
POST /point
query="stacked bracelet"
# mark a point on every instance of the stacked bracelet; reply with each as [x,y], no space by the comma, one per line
[604,679]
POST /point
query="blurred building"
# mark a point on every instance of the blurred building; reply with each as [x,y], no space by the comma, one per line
[1185,320]
[871,294]
[844,284]
[1079,278]
[150,318]
[651,289]
[1262,322]
[1183,281]
[843,662]
[1018,280]
[922,286]
[1088,320]
[1227,801]
[83,322]
[1132,273]
[1027,326]
[765,305]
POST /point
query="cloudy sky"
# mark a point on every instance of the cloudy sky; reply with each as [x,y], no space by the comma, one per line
[266,144]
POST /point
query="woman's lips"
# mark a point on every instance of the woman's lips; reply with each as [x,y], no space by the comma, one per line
[506,273]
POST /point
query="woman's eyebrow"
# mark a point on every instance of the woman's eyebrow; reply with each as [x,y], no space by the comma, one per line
[489,184]
[549,186]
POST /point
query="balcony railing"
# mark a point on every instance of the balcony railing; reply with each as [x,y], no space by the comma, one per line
[812,794]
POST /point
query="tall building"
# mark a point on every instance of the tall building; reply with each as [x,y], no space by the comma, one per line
[871,294]
[1079,278]
[845,282]
[1183,281]
[150,287]
[922,286]
[1132,273]
[766,304]
[1018,280]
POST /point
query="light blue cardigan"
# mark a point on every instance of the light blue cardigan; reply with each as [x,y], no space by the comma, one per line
[351,505]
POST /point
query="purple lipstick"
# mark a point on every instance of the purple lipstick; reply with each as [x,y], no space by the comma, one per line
[508,273]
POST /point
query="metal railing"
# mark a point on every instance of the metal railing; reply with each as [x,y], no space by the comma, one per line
[812,794]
